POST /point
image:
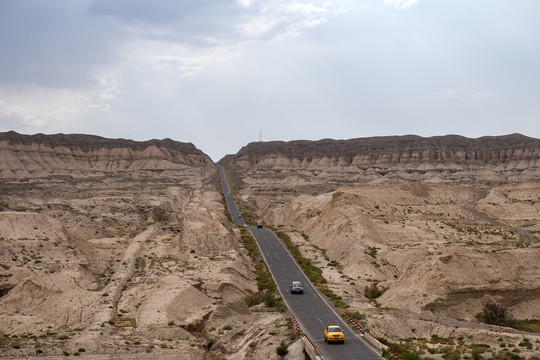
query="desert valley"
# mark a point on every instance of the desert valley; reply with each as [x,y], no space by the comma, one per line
[111,246]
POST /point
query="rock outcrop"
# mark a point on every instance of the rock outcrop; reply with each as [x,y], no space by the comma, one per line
[415,234]
[43,155]
[121,247]
[434,159]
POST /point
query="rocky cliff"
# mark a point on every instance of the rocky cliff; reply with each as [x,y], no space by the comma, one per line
[42,155]
[403,235]
[116,246]
[433,159]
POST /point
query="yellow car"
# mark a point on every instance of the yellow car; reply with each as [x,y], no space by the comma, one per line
[333,333]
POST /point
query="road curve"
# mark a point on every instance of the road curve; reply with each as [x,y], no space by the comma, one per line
[311,311]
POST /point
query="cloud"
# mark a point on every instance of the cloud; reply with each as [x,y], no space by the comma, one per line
[199,70]
[69,59]
[40,109]
[204,23]
[50,44]
[155,11]
[486,97]
[401,4]
[68,44]
[451,94]
[246,3]
[215,32]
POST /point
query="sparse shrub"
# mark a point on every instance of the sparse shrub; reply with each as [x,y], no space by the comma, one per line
[496,315]
[253,299]
[411,356]
[529,325]
[404,351]
[357,316]
[373,291]
[264,297]
[333,263]
[282,350]
[526,343]
[476,354]
[454,355]
[270,301]
[511,356]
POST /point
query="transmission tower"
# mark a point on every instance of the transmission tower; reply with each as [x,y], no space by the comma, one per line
[260,136]
[471,206]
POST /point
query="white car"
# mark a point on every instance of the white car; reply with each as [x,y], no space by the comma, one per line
[296,287]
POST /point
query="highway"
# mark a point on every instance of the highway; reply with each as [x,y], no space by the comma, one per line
[311,311]
[233,210]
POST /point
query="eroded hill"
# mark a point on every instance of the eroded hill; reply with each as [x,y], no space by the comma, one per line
[114,246]
[437,235]
[410,158]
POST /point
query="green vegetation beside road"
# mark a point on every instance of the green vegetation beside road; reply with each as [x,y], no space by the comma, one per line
[265,283]
[313,272]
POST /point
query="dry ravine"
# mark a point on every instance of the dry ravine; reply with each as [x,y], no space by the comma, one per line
[119,247]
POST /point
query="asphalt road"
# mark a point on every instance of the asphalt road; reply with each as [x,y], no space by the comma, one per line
[311,311]
[233,210]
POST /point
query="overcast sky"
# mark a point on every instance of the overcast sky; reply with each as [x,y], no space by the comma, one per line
[219,73]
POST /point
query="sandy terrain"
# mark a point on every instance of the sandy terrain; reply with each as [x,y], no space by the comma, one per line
[118,247]
[437,262]
[122,264]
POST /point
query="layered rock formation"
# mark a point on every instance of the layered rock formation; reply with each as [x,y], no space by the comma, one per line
[42,155]
[438,226]
[434,159]
[116,246]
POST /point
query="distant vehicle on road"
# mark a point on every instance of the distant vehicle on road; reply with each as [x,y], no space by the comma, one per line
[333,333]
[239,216]
[259,226]
[296,287]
